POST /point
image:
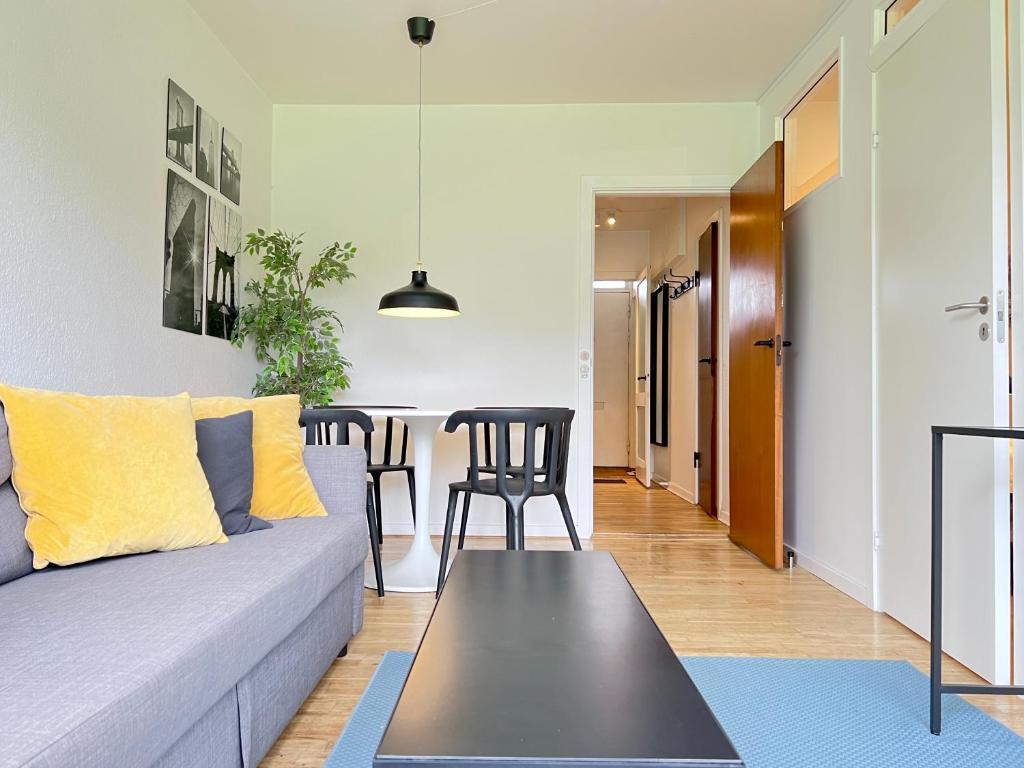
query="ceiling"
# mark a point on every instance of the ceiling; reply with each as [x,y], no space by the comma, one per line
[516,51]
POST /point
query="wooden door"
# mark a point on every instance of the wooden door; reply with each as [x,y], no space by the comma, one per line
[942,246]
[707,345]
[756,359]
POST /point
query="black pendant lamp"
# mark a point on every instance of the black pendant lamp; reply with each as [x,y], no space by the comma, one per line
[419,298]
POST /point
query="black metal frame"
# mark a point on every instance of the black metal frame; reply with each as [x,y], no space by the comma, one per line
[658,382]
[937,687]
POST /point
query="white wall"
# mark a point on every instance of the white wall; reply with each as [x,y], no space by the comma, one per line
[621,254]
[82,120]
[348,172]
[828,306]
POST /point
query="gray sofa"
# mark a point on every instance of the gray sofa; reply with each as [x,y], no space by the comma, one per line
[198,657]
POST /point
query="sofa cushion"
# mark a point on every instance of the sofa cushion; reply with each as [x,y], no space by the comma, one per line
[6,462]
[225,451]
[282,486]
[109,662]
[15,556]
[108,475]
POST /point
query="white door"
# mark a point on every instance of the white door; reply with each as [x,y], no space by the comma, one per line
[642,333]
[942,240]
[611,378]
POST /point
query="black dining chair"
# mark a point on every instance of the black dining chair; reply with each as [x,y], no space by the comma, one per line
[514,470]
[391,460]
[556,424]
[319,423]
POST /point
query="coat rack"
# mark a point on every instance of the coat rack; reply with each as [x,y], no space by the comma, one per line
[681,285]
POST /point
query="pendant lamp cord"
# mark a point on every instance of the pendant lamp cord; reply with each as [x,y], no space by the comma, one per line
[419,170]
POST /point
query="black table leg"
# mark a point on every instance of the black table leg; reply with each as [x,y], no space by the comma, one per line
[936,649]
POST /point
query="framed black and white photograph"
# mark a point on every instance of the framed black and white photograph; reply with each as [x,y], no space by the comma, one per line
[231,167]
[184,254]
[207,147]
[223,257]
[181,118]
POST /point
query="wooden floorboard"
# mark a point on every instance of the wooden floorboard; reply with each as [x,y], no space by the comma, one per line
[708,597]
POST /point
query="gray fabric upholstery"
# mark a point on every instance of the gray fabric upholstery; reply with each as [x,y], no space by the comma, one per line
[15,556]
[6,461]
[113,662]
[213,742]
[339,476]
[269,696]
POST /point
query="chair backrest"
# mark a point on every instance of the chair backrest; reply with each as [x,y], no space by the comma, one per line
[489,446]
[553,421]
[390,457]
[318,422]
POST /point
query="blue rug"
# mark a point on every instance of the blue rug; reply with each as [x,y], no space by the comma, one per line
[797,713]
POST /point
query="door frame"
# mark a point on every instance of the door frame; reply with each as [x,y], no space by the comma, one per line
[590,187]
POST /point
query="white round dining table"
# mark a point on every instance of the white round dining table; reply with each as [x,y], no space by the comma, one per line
[417,570]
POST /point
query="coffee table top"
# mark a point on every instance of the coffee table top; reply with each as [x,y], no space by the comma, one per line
[548,658]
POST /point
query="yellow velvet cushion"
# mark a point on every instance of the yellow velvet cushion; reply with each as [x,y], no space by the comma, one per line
[103,476]
[281,485]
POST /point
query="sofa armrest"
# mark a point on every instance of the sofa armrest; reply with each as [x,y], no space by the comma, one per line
[339,476]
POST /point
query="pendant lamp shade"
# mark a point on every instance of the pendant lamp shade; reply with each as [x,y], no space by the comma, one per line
[419,299]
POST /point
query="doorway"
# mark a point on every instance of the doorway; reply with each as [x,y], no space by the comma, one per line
[644,289]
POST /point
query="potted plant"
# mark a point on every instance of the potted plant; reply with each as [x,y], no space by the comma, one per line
[296,338]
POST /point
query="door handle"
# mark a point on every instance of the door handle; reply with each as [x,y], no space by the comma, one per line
[764,343]
[641,378]
[981,305]
[705,360]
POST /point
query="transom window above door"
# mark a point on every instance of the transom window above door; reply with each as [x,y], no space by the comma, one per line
[810,133]
[897,11]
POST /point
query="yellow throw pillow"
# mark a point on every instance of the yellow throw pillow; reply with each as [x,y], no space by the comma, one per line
[281,485]
[104,476]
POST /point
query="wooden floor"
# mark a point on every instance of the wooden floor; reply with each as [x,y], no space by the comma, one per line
[708,597]
[627,508]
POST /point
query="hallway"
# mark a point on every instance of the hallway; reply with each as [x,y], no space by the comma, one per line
[623,507]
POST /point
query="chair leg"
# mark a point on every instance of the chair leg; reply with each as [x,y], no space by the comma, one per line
[410,475]
[465,519]
[515,518]
[377,504]
[446,544]
[563,504]
[371,523]
[521,526]
[510,542]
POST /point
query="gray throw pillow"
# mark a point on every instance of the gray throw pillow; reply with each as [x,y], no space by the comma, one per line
[15,556]
[225,451]
[6,460]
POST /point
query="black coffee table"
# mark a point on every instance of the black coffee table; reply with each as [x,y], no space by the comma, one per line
[548,659]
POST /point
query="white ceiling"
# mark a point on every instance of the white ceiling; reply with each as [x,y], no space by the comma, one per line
[516,51]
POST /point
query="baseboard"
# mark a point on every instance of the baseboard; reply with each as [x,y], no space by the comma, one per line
[723,516]
[841,581]
[682,493]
